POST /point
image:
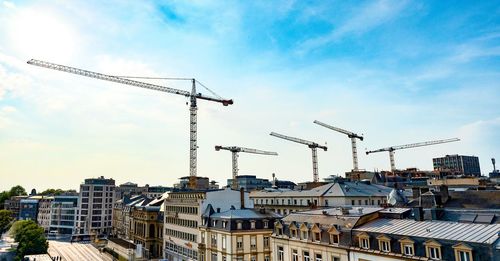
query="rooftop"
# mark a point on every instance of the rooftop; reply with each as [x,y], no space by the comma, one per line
[464,232]
[341,189]
[245,214]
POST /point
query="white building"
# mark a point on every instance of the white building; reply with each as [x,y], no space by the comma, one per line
[183,216]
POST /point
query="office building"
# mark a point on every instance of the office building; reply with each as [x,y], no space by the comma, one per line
[458,165]
[28,209]
[96,206]
[64,214]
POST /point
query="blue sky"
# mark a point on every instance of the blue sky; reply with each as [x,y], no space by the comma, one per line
[396,71]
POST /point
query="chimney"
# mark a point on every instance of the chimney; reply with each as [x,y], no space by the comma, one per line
[242,198]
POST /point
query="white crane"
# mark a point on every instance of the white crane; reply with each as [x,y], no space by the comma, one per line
[408,146]
[312,145]
[235,150]
[352,136]
[193,95]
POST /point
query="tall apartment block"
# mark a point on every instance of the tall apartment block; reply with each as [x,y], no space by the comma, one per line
[458,164]
[96,206]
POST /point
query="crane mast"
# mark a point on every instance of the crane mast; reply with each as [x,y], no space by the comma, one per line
[234,151]
[352,136]
[193,95]
[312,145]
[392,149]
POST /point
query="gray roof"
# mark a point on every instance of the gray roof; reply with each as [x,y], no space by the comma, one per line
[342,189]
[464,232]
[245,214]
[330,216]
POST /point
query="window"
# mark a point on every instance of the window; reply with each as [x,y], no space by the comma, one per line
[214,240]
[407,246]
[433,249]
[317,236]
[266,224]
[239,225]
[214,256]
[214,223]
[253,258]
[359,202]
[385,246]
[366,201]
[335,258]
[281,253]
[318,257]
[266,241]
[464,255]
[334,239]
[267,258]
[223,241]
[252,224]
[303,235]
[253,242]
[353,202]
[434,253]
[295,255]
[463,252]
[384,243]
[202,237]
[239,243]
[408,249]
[305,254]
[294,233]
[364,240]
[224,224]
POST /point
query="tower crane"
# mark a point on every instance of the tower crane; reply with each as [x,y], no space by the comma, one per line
[409,146]
[193,96]
[312,145]
[235,150]
[352,136]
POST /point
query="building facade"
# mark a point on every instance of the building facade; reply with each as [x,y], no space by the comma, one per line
[183,214]
[44,208]
[64,214]
[250,182]
[236,234]
[28,209]
[96,206]
[458,164]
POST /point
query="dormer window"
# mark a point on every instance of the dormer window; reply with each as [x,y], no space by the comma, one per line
[407,247]
[463,252]
[214,223]
[266,224]
[252,224]
[433,249]
[224,224]
[239,225]
[384,243]
[364,241]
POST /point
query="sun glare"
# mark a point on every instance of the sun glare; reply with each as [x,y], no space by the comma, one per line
[42,34]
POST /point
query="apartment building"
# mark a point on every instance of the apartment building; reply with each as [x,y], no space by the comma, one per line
[390,234]
[44,208]
[340,193]
[236,234]
[183,215]
[96,206]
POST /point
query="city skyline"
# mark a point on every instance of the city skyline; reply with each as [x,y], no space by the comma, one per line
[396,71]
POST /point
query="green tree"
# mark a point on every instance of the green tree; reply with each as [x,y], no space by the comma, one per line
[17,191]
[5,219]
[31,238]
